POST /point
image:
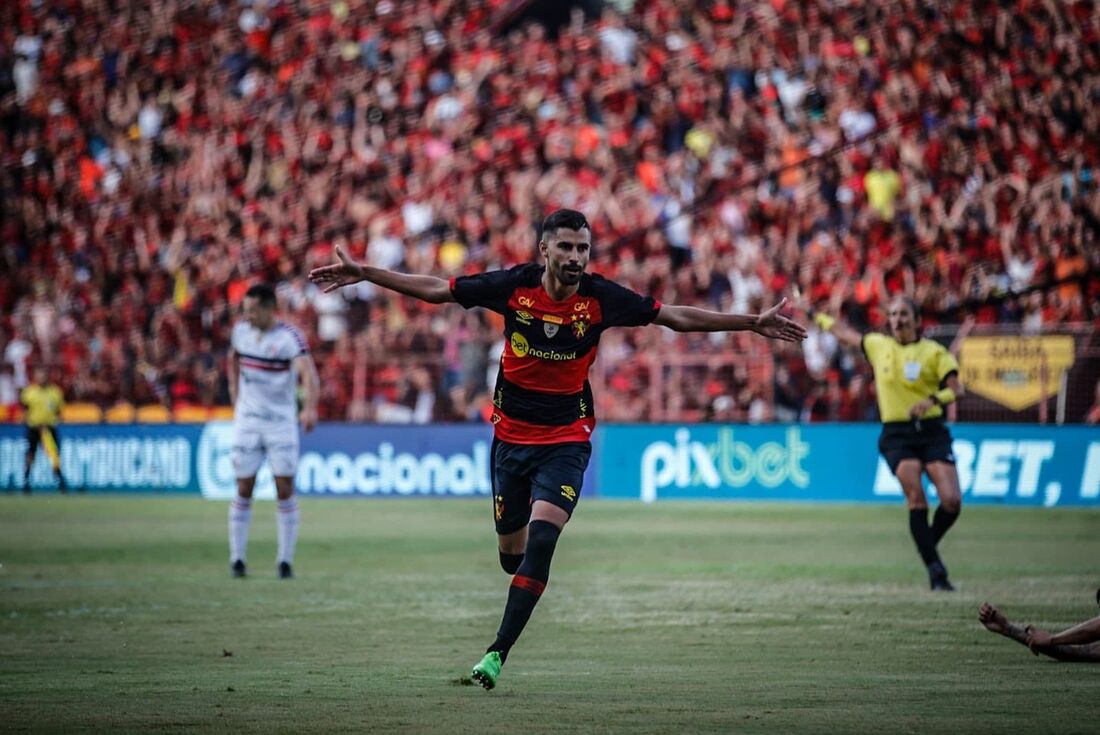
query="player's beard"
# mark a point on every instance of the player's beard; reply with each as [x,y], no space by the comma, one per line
[570,276]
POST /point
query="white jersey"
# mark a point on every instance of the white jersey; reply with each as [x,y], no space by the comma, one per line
[267,388]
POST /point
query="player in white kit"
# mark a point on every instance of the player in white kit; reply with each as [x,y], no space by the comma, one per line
[265,360]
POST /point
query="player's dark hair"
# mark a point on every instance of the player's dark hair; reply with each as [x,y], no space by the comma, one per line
[262,291]
[570,219]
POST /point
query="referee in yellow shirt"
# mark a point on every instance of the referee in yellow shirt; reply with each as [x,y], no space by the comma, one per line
[43,402]
[916,378]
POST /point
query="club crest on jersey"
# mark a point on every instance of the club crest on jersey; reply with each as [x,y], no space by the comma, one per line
[549,329]
[580,328]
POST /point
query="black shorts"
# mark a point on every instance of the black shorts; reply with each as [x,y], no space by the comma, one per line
[902,440]
[524,473]
[34,437]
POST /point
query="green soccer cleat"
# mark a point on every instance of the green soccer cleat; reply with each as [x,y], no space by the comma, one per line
[487,671]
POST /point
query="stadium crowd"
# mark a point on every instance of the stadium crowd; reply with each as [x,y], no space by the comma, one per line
[156,158]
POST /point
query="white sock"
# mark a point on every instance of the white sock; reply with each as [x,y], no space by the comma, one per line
[288,529]
[240,516]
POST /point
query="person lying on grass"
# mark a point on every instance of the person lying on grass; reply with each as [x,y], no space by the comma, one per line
[1079,643]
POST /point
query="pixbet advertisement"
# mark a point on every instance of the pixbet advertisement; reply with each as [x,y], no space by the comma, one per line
[1007,464]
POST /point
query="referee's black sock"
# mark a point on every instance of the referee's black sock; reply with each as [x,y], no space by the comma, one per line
[922,535]
[942,521]
[527,585]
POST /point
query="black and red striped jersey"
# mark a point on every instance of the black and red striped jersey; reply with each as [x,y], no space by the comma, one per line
[542,394]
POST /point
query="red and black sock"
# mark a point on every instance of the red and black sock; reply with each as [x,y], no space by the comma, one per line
[527,585]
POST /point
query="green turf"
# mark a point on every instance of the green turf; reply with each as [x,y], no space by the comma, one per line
[118,614]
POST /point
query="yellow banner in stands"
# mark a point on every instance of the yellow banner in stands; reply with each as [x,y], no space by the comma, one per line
[1010,370]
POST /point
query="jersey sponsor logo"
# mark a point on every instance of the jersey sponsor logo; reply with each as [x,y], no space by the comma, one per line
[552,355]
[524,318]
[553,319]
[549,329]
[581,306]
[912,370]
[526,301]
[519,344]
[569,493]
[522,348]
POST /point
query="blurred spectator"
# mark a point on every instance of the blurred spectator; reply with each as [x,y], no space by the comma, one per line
[9,389]
[16,353]
[157,159]
[410,401]
[788,396]
[1092,416]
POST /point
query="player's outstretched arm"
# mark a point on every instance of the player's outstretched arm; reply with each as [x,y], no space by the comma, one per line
[770,324]
[996,622]
[346,271]
[1086,632]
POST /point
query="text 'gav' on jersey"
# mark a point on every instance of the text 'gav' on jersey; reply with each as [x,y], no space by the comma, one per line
[267,388]
[542,394]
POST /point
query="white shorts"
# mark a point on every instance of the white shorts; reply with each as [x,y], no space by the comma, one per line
[253,441]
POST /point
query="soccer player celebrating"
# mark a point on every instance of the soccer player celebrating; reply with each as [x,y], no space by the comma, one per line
[266,359]
[916,378]
[43,401]
[543,408]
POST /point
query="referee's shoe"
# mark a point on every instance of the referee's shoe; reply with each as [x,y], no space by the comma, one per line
[937,577]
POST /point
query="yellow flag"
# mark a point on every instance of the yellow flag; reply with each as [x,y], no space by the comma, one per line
[51,447]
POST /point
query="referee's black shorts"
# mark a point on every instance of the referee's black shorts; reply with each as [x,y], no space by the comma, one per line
[34,437]
[903,440]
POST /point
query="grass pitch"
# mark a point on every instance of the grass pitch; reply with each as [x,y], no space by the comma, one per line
[118,614]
